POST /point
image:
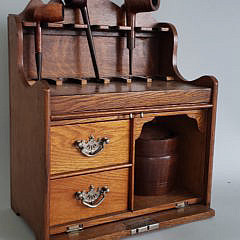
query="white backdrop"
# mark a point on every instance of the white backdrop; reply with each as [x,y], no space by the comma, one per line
[209,39]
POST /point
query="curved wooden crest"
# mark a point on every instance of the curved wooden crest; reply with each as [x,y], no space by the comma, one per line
[102,12]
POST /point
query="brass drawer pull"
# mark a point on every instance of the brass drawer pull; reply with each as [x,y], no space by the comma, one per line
[91,147]
[92,199]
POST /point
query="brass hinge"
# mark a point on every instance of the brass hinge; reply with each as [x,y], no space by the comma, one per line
[142,227]
[181,205]
[74,228]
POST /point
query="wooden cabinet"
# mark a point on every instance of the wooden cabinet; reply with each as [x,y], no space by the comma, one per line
[73,144]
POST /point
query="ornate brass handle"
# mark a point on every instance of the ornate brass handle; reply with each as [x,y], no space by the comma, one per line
[92,199]
[91,147]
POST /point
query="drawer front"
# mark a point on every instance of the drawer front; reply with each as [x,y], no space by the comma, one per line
[61,105]
[66,157]
[64,207]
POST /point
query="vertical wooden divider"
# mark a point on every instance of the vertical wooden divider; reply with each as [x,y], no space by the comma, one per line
[132,159]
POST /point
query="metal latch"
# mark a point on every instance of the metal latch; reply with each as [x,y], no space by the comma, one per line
[181,205]
[142,227]
[74,228]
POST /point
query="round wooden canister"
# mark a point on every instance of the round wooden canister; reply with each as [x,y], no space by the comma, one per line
[155,165]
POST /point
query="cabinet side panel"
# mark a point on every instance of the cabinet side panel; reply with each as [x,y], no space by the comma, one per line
[29,109]
[210,81]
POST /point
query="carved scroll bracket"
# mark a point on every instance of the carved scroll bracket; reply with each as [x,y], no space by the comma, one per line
[200,117]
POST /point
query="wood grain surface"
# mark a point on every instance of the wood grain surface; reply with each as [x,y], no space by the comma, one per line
[122,229]
[75,48]
[175,196]
[35,106]
[143,205]
[113,14]
[191,132]
[65,157]
[196,114]
[158,84]
[65,208]
[29,132]
[72,104]
[87,117]
[212,82]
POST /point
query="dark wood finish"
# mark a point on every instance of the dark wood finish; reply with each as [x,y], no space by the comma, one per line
[172,197]
[121,229]
[45,117]
[113,63]
[64,207]
[50,13]
[82,5]
[211,118]
[155,161]
[132,8]
[38,38]
[158,85]
[137,6]
[192,142]
[113,15]
[191,131]
[30,113]
[59,120]
[63,105]
[76,3]
[168,65]
[27,13]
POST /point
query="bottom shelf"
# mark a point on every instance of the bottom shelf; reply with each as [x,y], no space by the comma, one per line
[165,201]
[124,228]
[143,205]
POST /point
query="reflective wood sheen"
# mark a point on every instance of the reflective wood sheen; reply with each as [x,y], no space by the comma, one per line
[65,157]
[121,96]
[119,230]
[64,207]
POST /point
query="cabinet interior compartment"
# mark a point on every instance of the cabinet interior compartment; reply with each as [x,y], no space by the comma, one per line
[189,171]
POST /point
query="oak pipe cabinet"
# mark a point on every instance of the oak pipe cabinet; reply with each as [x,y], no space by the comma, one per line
[73,139]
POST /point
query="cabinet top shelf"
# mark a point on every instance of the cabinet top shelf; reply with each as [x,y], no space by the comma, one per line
[69,89]
[74,99]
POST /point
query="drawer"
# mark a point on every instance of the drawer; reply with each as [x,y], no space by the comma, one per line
[64,207]
[119,96]
[66,157]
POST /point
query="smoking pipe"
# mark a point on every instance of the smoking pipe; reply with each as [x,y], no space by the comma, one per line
[51,12]
[82,5]
[132,8]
